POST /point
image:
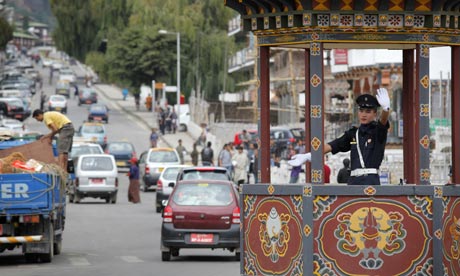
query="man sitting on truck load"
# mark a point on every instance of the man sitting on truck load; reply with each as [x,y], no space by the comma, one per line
[58,123]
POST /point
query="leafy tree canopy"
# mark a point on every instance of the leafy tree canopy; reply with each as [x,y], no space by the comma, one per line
[6,33]
[136,53]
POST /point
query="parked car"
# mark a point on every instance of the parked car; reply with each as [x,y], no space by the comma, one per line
[298,133]
[99,113]
[282,136]
[32,74]
[123,151]
[57,103]
[96,176]
[152,163]
[63,88]
[13,108]
[12,124]
[201,214]
[239,135]
[22,87]
[94,132]
[166,183]
[206,173]
[87,96]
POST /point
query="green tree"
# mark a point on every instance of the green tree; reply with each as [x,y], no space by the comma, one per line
[6,33]
[136,57]
[76,28]
[25,23]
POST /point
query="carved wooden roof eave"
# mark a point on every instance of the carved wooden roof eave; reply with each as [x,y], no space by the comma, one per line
[429,22]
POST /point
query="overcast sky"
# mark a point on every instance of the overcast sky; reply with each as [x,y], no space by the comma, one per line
[439,60]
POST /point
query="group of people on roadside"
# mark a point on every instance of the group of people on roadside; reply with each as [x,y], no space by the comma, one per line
[241,161]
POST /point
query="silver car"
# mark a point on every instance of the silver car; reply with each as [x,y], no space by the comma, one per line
[165,184]
[152,163]
[96,175]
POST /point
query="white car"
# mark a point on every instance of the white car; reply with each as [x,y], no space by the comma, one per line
[66,74]
[96,176]
[12,124]
[57,103]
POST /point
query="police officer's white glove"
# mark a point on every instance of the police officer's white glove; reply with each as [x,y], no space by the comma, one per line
[299,159]
[383,98]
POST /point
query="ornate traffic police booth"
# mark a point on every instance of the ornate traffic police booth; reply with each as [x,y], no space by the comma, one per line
[316,229]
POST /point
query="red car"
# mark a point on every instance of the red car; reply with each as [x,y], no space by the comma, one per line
[201,214]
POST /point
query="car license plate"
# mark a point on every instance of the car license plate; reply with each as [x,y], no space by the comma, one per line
[201,238]
[58,108]
[97,180]
[18,116]
[160,169]
[120,163]
[88,101]
[98,118]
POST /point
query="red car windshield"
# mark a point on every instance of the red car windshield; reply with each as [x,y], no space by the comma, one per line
[203,194]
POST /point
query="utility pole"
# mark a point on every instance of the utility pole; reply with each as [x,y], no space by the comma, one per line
[295,96]
[222,110]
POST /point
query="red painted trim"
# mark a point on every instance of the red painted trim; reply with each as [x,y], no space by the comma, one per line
[455,114]
[410,147]
[264,114]
[307,114]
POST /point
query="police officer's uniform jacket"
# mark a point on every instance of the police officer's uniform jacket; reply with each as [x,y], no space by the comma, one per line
[371,139]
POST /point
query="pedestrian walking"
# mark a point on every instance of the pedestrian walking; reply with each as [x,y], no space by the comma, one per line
[194,155]
[181,151]
[42,100]
[154,138]
[344,173]
[58,123]
[124,92]
[207,155]
[137,101]
[366,143]
[75,91]
[173,116]
[225,159]
[240,164]
[245,139]
[133,188]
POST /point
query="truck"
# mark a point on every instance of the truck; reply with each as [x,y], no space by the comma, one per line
[32,213]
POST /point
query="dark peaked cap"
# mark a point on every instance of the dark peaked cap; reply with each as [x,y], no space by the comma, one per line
[367,101]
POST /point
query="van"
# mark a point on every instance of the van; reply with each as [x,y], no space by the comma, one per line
[96,175]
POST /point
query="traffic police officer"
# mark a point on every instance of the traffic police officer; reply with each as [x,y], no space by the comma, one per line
[366,142]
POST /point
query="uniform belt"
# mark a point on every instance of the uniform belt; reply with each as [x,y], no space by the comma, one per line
[359,172]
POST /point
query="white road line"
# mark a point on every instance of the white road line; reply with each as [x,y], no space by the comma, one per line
[131,259]
[79,261]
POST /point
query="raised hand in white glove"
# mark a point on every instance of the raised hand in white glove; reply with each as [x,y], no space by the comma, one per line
[299,159]
[383,98]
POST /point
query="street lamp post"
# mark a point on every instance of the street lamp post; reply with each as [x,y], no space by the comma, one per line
[178,72]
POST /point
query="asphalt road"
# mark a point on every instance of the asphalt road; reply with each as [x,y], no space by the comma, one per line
[121,239]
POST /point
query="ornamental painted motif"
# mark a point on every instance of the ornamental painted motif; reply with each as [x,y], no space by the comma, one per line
[270,18]
[372,238]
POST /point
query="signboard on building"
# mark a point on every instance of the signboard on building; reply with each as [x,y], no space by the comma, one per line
[340,56]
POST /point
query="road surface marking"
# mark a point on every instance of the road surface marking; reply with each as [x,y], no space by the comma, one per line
[79,261]
[131,259]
